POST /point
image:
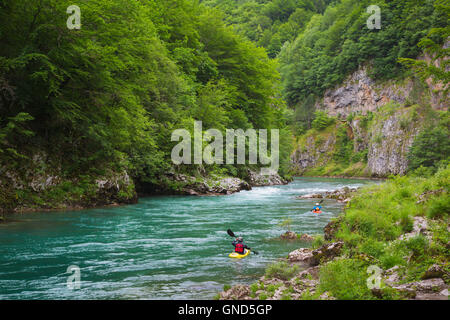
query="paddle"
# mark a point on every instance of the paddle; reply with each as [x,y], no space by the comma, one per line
[231,234]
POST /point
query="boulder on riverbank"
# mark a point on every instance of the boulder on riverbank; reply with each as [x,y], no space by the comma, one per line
[430,289]
[341,195]
[220,185]
[290,235]
[331,228]
[256,179]
[313,257]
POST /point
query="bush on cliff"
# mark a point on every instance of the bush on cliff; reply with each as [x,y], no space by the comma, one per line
[322,120]
[431,147]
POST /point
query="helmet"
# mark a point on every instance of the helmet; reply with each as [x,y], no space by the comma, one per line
[317,204]
[240,239]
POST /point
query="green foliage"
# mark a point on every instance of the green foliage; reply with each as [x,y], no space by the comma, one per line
[14,131]
[432,44]
[336,276]
[337,42]
[438,207]
[318,241]
[322,120]
[254,287]
[269,23]
[281,270]
[263,296]
[286,223]
[304,115]
[344,146]
[110,94]
[431,146]
[374,221]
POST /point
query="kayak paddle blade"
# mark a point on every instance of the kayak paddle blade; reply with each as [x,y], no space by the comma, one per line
[230,233]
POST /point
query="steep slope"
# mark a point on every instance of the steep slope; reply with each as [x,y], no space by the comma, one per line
[376,126]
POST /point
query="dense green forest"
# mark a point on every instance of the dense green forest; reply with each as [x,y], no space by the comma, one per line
[106,98]
[318,43]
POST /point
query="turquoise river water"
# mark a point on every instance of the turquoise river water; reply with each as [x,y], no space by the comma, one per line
[168,247]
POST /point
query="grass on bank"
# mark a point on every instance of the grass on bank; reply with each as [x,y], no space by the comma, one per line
[375,219]
[370,228]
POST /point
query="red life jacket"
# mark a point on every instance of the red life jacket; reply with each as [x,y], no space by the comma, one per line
[239,248]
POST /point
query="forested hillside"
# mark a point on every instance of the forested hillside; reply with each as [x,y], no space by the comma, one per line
[80,104]
[270,23]
[360,95]
[97,106]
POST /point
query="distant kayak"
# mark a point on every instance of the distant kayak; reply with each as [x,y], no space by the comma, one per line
[317,211]
[239,256]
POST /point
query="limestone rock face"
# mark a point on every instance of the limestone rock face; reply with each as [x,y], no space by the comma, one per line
[420,226]
[313,154]
[389,134]
[218,185]
[306,237]
[360,93]
[389,146]
[331,228]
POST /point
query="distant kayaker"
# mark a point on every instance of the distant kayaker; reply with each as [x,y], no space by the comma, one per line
[239,246]
[317,208]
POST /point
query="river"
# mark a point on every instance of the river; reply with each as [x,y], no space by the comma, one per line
[168,247]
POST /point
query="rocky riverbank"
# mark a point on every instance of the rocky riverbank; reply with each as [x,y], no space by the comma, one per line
[47,191]
[219,185]
[370,251]
[342,195]
[298,276]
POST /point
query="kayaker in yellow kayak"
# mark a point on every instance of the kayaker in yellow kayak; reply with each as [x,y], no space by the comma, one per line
[239,246]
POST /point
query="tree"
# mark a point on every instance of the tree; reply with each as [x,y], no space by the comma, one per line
[430,147]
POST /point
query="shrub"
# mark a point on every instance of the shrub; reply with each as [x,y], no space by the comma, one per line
[372,247]
[391,259]
[322,120]
[263,296]
[318,241]
[438,207]
[418,245]
[281,270]
[254,287]
[430,146]
[344,146]
[346,279]
[406,222]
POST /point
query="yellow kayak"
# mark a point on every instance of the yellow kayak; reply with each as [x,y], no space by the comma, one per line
[239,256]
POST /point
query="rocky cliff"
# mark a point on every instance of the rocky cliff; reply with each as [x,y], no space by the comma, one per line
[381,121]
[360,94]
